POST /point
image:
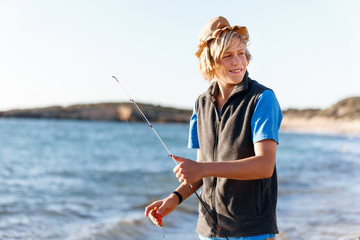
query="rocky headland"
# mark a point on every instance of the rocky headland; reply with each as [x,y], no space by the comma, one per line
[342,117]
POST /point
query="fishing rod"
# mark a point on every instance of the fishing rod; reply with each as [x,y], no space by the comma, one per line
[170,155]
[144,117]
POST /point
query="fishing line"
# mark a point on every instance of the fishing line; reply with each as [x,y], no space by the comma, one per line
[170,155]
[138,157]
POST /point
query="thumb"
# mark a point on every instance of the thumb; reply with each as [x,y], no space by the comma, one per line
[161,210]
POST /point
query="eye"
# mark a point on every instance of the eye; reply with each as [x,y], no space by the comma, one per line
[226,56]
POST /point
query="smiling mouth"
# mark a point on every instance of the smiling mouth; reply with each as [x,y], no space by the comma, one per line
[236,71]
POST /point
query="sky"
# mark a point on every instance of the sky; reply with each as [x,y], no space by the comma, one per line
[64,52]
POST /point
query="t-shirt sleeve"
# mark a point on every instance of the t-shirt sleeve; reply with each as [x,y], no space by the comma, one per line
[193,141]
[267,117]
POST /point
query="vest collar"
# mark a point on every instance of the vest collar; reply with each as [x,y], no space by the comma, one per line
[241,87]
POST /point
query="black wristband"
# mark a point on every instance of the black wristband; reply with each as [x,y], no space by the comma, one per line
[179,196]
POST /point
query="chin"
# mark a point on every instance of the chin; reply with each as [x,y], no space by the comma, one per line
[237,81]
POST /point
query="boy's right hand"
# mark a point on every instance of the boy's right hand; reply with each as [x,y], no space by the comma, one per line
[161,208]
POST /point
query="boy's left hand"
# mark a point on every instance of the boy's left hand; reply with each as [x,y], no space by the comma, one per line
[188,171]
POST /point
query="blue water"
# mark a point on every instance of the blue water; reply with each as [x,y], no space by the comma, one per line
[63,179]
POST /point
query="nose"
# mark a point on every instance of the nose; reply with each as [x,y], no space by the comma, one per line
[239,59]
[236,60]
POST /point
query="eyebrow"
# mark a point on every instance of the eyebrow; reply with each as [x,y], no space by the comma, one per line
[237,50]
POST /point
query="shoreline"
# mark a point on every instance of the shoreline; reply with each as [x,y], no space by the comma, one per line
[289,124]
[320,125]
[341,118]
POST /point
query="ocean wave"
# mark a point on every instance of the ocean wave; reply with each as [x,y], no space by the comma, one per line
[114,229]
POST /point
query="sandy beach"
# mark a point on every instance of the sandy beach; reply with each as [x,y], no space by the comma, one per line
[320,125]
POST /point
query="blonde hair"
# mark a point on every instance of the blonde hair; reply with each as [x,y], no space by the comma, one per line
[213,51]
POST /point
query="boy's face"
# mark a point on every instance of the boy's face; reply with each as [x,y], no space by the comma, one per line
[232,65]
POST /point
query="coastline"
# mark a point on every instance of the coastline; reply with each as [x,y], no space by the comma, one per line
[341,118]
[103,112]
[321,125]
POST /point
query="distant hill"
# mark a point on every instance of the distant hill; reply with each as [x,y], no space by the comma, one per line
[342,117]
[104,112]
[348,109]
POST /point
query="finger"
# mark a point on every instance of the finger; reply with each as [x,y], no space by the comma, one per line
[181,178]
[156,217]
[178,159]
[147,210]
[160,210]
[153,217]
[179,175]
[159,219]
[184,180]
[176,169]
[150,207]
[154,220]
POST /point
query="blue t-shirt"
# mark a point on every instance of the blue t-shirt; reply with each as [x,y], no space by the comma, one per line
[265,124]
[258,237]
[265,121]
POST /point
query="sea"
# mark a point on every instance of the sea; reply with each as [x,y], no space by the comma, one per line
[84,180]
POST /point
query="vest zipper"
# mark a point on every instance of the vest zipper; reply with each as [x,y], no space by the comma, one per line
[213,195]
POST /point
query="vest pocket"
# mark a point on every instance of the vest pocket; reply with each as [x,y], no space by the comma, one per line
[246,203]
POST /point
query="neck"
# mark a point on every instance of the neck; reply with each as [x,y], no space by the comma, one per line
[225,90]
[224,93]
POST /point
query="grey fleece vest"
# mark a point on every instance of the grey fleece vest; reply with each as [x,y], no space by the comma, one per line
[240,207]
